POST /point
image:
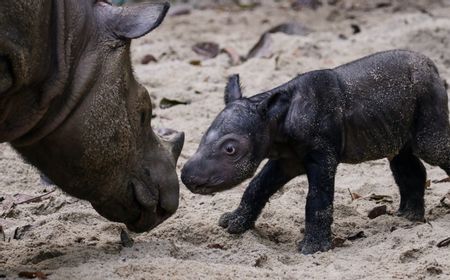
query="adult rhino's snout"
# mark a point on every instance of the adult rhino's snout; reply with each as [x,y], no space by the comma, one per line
[172,140]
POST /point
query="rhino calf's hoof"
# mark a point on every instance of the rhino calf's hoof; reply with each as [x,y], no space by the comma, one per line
[310,246]
[414,215]
[235,222]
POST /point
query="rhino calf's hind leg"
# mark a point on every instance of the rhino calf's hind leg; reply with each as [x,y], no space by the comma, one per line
[435,150]
[410,176]
[431,141]
[274,175]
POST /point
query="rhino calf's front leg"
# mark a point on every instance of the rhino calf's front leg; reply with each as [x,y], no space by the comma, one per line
[320,169]
[274,175]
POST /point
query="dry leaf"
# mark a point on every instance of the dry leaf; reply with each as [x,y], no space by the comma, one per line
[355,28]
[263,48]
[442,200]
[148,58]
[125,239]
[302,4]
[353,195]
[216,246]
[2,234]
[357,235]
[20,231]
[338,242]
[167,103]
[445,180]
[443,243]
[378,198]
[261,260]
[31,275]
[6,205]
[433,270]
[247,4]
[206,49]
[9,202]
[179,11]
[377,211]
[291,28]
[383,4]
[20,198]
[235,59]
[195,62]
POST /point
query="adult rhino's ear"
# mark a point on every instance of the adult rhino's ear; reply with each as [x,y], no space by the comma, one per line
[131,22]
[233,89]
[275,105]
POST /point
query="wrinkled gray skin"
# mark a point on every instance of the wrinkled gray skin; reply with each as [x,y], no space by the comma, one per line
[391,104]
[70,105]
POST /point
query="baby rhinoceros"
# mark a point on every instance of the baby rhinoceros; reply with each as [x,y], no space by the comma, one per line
[391,105]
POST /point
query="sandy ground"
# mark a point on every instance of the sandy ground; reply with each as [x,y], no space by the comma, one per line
[69,240]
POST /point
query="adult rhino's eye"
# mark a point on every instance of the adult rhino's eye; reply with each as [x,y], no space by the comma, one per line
[230,150]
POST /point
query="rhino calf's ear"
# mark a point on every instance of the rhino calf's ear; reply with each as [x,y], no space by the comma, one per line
[131,22]
[274,106]
[233,89]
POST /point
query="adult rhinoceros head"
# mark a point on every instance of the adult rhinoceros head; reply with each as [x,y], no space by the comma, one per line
[72,107]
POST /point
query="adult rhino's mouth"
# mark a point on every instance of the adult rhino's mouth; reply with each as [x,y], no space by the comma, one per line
[152,213]
[149,219]
[141,209]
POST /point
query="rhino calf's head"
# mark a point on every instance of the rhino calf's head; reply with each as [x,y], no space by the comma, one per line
[233,146]
[94,137]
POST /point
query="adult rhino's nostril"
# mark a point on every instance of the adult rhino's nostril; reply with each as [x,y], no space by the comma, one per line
[6,76]
[147,172]
[143,195]
[143,118]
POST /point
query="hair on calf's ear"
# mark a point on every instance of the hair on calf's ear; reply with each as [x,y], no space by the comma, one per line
[233,89]
[275,105]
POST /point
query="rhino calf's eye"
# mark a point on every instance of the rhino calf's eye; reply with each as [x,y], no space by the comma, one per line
[230,150]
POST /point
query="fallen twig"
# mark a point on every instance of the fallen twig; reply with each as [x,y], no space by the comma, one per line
[34,199]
